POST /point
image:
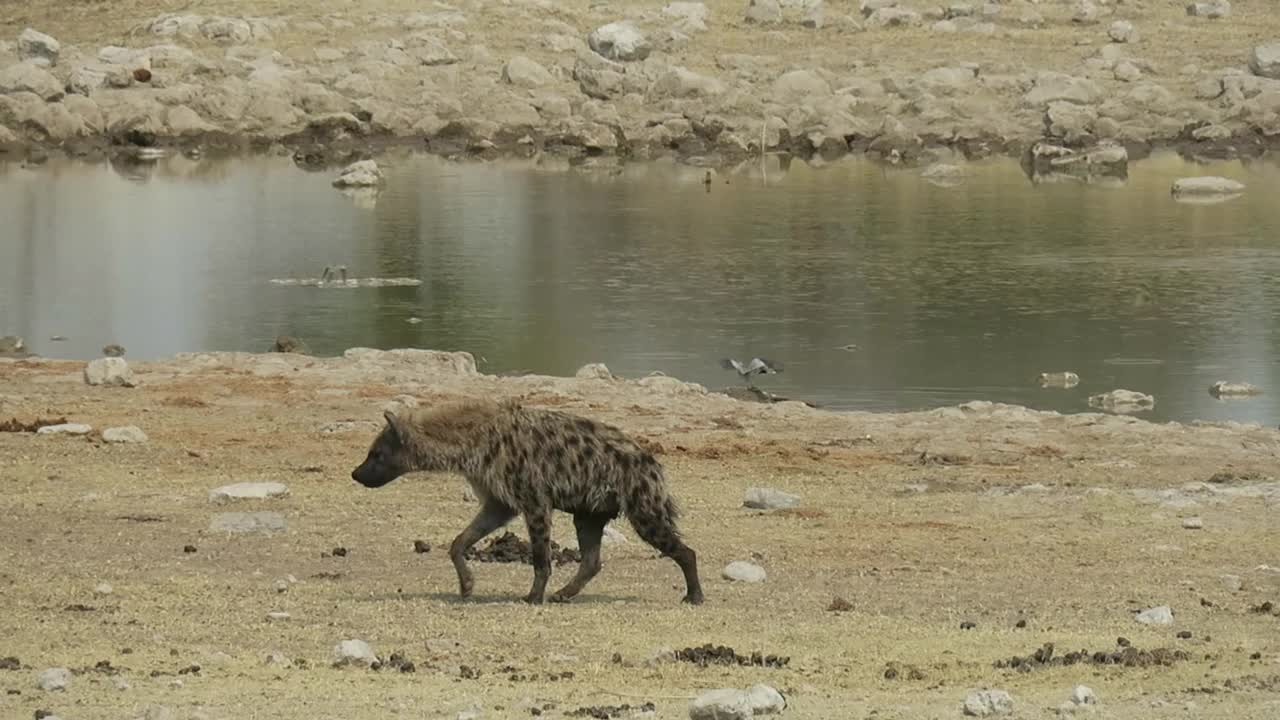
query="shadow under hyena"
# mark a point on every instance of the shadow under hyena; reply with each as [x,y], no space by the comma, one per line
[523,461]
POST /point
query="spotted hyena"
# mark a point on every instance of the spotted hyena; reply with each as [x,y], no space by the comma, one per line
[531,462]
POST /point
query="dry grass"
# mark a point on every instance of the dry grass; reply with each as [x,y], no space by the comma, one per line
[910,567]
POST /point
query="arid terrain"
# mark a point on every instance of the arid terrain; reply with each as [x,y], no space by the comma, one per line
[716,81]
[925,548]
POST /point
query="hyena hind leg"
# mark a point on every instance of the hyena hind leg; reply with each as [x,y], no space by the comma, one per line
[659,531]
[491,517]
[590,527]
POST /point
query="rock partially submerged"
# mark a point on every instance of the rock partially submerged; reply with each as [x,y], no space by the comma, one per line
[1122,401]
[364,173]
[1222,389]
[1065,380]
[1206,187]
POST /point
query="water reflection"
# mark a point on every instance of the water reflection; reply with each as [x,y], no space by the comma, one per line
[964,290]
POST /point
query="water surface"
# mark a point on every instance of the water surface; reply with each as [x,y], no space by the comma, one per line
[949,294]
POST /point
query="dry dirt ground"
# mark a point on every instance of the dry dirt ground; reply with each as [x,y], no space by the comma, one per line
[1034,527]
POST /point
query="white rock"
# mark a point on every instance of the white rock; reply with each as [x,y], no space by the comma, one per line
[769,499]
[1193,523]
[691,16]
[723,704]
[985,703]
[523,72]
[1065,380]
[1122,31]
[593,371]
[248,491]
[103,589]
[1207,185]
[1214,10]
[109,372]
[1086,13]
[613,537]
[278,616]
[1232,583]
[1264,61]
[65,429]
[125,434]
[1159,615]
[764,12]
[35,46]
[54,679]
[1083,695]
[248,522]
[1222,388]
[620,41]
[353,652]
[741,571]
[364,173]
[765,700]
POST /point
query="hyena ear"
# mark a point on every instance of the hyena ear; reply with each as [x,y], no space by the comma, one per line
[395,423]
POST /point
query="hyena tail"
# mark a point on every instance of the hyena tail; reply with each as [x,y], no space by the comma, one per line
[653,513]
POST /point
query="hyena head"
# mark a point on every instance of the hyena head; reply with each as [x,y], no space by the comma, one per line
[389,456]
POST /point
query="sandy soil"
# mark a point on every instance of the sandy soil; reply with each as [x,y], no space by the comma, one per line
[989,515]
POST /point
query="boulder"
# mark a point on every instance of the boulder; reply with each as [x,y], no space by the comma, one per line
[621,41]
[1122,401]
[1222,388]
[30,77]
[1122,31]
[1206,185]
[800,86]
[680,83]
[594,371]
[723,704]
[109,372]
[1264,61]
[364,173]
[523,72]
[12,344]
[988,703]
[1064,380]
[38,48]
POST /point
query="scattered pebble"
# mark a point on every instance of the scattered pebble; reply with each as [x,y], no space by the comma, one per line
[1184,635]
[339,552]
[1193,523]
[740,571]
[769,499]
[188,549]
[1159,615]
[985,703]
[54,679]
[124,434]
[421,547]
[247,491]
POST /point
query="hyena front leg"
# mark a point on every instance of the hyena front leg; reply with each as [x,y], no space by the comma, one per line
[539,523]
[491,517]
[590,527]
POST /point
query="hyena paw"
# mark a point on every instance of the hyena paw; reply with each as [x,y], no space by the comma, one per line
[561,597]
[693,599]
[465,586]
[533,598]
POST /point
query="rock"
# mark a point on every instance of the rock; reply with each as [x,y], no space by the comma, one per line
[1085,13]
[1083,695]
[227,31]
[65,429]
[124,435]
[248,491]
[593,371]
[12,344]
[723,704]
[109,372]
[1064,380]
[182,121]
[1232,583]
[799,85]
[944,175]
[690,16]
[290,344]
[1192,523]
[746,572]
[1160,615]
[894,17]
[986,703]
[523,72]
[1122,401]
[1206,185]
[53,679]
[278,616]
[1215,10]
[1051,86]
[765,700]
[1222,388]
[769,499]
[353,653]
[1264,61]
[619,41]
[113,350]
[763,12]
[29,77]
[103,589]
[1122,31]
[37,47]
[248,522]
[364,173]
[471,713]
[680,83]
[1127,71]
[430,51]
[612,536]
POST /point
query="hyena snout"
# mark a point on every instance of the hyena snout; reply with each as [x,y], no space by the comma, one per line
[373,475]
